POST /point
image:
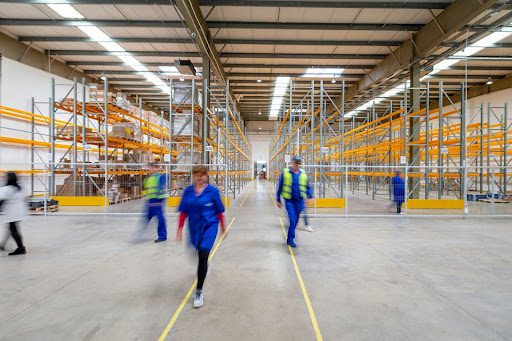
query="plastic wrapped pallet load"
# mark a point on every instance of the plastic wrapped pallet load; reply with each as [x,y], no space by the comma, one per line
[127,130]
[182,125]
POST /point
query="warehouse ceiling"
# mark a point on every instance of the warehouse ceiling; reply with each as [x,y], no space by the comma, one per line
[260,41]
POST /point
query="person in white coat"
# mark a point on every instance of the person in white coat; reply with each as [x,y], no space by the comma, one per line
[14,207]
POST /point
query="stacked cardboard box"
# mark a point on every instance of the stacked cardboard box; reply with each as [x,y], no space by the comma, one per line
[127,130]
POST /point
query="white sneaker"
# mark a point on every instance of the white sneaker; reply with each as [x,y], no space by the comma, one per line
[308,228]
[198,300]
[401,213]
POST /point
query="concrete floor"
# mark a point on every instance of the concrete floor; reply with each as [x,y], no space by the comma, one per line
[368,279]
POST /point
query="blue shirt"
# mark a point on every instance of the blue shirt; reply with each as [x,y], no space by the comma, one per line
[202,211]
[398,185]
[296,195]
[161,183]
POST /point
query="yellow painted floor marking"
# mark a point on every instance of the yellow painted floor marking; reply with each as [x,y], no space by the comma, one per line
[312,315]
[167,329]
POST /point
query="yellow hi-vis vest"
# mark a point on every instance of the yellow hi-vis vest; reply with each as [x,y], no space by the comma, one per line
[152,188]
[287,184]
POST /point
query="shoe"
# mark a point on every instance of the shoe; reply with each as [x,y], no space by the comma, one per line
[292,244]
[198,300]
[18,252]
[308,228]
[160,240]
[401,213]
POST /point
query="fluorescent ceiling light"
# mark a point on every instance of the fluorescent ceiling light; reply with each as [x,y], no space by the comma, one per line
[111,46]
[154,79]
[94,33]
[140,68]
[129,60]
[165,89]
[445,64]
[66,11]
[323,72]
[173,69]
[279,91]
[474,48]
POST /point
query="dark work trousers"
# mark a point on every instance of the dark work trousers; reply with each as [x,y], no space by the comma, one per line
[15,234]
[202,267]
[399,206]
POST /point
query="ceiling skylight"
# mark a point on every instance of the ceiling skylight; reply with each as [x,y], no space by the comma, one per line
[96,34]
[445,64]
[313,72]
[66,11]
[279,91]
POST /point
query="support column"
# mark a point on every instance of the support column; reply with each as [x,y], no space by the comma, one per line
[414,129]
[206,104]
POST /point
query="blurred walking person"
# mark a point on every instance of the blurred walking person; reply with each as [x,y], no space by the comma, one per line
[398,186]
[202,205]
[15,209]
[295,189]
[154,191]
[306,226]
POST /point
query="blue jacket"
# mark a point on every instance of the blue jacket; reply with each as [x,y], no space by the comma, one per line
[202,214]
[398,186]
[296,195]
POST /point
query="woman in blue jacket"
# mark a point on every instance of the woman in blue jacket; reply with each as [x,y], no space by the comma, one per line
[202,204]
[398,186]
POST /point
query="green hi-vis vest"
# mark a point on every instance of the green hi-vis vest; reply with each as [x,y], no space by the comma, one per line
[152,188]
[287,184]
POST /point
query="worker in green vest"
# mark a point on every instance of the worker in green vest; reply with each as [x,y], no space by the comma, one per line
[294,188]
[154,191]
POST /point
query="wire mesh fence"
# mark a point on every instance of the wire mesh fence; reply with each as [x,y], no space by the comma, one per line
[343,191]
[414,191]
[109,188]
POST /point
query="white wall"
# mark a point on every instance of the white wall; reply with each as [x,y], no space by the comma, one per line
[260,145]
[18,84]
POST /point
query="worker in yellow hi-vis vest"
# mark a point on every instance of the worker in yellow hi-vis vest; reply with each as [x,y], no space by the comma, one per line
[294,188]
[154,190]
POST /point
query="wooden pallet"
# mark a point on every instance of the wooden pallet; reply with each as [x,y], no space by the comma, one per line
[51,208]
[496,201]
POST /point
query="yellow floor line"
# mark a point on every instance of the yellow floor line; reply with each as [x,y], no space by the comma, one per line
[312,315]
[248,191]
[177,313]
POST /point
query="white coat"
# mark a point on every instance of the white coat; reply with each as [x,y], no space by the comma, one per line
[14,206]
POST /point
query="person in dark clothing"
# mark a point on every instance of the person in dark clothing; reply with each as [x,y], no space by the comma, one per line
[398,187]
[14,207]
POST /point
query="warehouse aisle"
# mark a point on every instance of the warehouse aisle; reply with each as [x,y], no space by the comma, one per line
[366,279]
[252,292]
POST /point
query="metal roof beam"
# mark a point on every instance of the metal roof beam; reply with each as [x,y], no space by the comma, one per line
[255,3]
[217,41]
[227,65]
[212,24]
[222,55]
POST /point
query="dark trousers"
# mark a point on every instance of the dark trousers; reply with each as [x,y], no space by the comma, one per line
[15,234]
[202,267]
[399,206]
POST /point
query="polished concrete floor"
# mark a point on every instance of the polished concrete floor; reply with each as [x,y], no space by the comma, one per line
[367,279]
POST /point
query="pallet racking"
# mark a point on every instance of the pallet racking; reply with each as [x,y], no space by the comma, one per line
[83,155]
[444,152]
